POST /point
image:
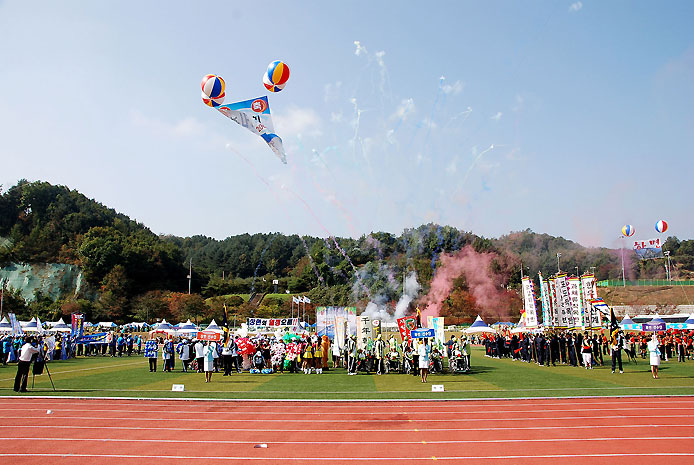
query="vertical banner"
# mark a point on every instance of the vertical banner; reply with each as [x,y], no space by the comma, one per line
[554,302]
[77,325]
[529,302]
[563,309]
[326,318]
[589,292]
[16,327]
[376,328]
[364,331]
[436,323]
[576,308]
[340,332]
[405,325]
[546,308]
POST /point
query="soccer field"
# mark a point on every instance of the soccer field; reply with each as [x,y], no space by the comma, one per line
[490,378]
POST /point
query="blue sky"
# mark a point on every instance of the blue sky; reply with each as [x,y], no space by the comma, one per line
[565,117]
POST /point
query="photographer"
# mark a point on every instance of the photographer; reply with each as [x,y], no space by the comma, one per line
[25,355]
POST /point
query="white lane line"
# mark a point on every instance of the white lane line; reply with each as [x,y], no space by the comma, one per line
[315,459]
[341,430]
[53,373]
[271,442]
[349,403]
[371,412]
[420,391]
[56,416]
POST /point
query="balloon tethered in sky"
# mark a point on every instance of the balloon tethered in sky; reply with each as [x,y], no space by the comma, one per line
[213,86]
[276,76]
[628,230]
[661,226]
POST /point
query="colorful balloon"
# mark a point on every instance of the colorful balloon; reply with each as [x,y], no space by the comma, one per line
[272,87]
[661,226]
[628,230]
[213,86]
[276,76]
[212,102]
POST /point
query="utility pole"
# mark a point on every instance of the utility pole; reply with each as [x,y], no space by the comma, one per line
[558,255]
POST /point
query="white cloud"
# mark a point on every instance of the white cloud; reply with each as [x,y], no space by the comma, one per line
[454,89]
[575,7]
[497,117]
[297,121]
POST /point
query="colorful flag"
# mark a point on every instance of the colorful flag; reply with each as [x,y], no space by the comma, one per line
[225,326]
[614,327]
[254,115]
[405,325]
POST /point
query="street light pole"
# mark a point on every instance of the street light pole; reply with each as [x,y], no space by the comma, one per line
[624,280]
[190,274]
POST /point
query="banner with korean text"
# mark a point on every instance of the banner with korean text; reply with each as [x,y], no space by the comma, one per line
[546,306]
[530,309]
[563,308]
[651,248]
[589,292]
[576,306]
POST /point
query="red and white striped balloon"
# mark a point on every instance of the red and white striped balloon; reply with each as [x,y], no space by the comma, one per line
[661,226]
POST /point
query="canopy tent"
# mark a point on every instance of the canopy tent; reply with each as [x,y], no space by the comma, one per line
[32,326]
[186,328]
[213,326]
[61,327]
[479,326]
[106,324]
[5,326]
[163,325]
[629,325]
[689,322]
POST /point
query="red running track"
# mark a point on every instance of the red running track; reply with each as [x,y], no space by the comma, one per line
[529,431]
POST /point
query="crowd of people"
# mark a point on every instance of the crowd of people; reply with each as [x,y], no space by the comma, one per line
[589,349]
[308,354]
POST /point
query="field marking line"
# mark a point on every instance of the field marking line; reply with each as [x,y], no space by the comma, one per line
[346,402]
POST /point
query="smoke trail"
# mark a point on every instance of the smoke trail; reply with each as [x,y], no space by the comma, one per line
[279,201]
[260,262]
[467,173]
[433,108]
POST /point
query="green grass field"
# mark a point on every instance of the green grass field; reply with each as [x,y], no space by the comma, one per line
[490,378]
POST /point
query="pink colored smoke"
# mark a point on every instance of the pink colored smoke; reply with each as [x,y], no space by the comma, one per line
[482,284]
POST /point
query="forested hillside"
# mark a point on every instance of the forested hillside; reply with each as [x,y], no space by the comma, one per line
[137,274]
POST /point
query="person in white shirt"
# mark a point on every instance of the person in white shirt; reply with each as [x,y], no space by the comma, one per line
[655,355]
[26,353]
[199,354]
